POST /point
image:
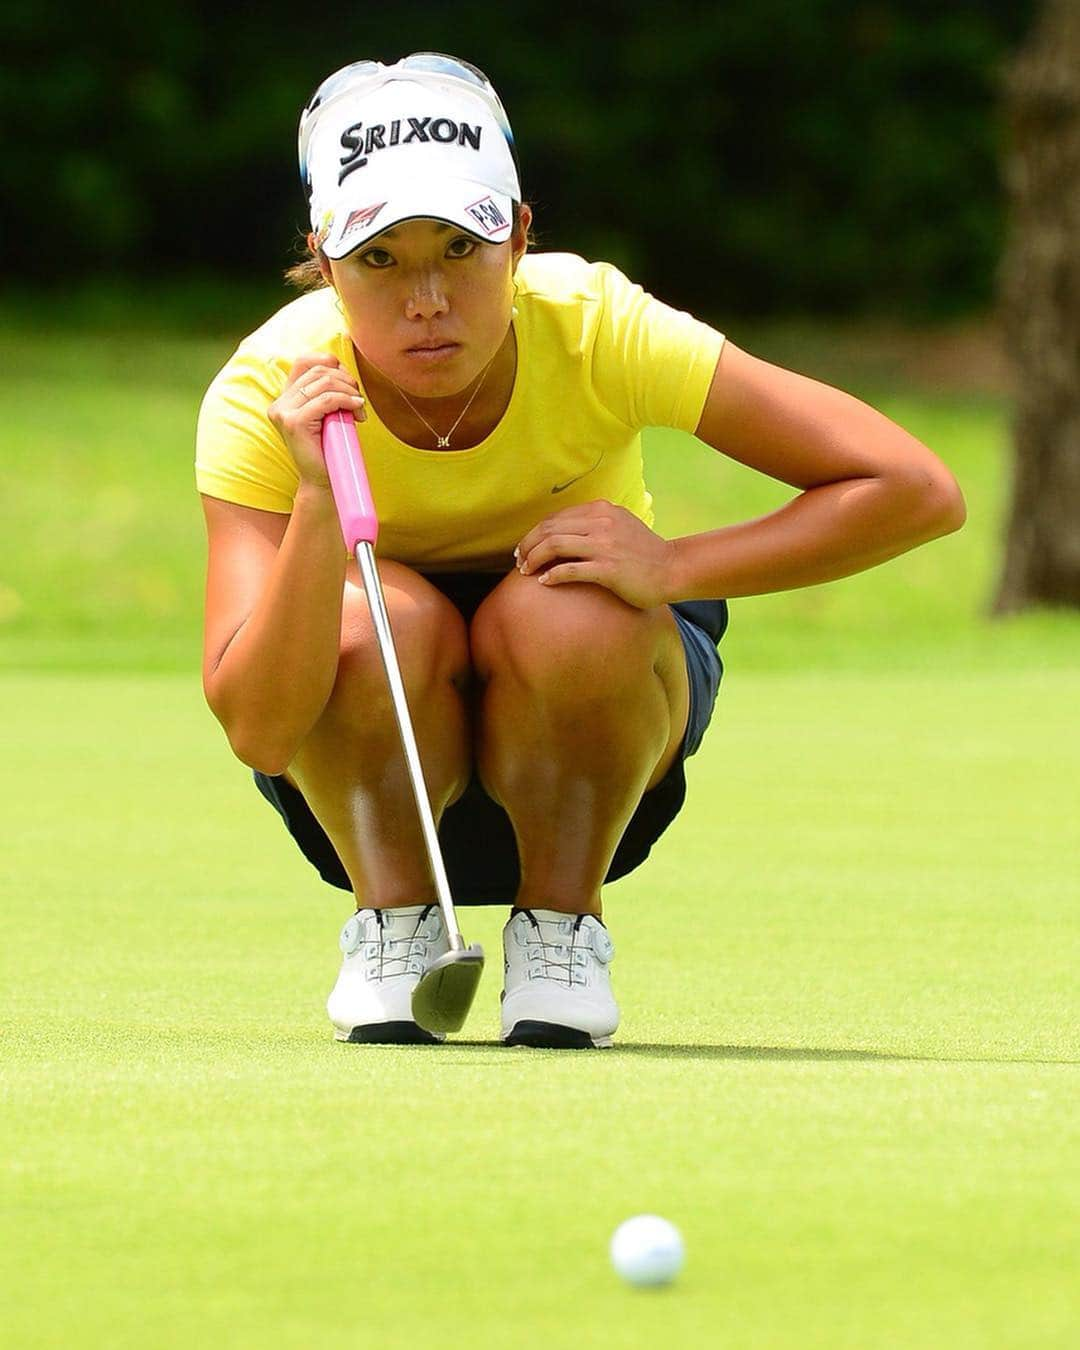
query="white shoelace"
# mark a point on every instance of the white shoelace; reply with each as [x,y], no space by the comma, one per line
[565,963]
[382,962]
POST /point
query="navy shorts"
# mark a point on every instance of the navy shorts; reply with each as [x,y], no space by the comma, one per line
[477,839]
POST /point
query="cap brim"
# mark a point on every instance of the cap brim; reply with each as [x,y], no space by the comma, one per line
[457,201]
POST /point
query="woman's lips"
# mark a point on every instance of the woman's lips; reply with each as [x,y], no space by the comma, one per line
[430,354]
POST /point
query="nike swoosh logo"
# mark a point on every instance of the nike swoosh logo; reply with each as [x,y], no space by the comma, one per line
[561,487]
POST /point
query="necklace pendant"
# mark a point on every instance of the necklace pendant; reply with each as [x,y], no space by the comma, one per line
[444,441]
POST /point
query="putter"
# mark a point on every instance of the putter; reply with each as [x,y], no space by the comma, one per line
[444,995]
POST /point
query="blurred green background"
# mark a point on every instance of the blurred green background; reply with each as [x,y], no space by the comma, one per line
[832,156]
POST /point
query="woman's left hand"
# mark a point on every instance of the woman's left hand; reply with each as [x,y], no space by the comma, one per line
[604,544]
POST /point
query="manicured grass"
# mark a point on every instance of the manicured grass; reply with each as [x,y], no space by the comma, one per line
[846,1069]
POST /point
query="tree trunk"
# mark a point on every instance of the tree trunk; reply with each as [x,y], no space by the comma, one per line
[1040,301]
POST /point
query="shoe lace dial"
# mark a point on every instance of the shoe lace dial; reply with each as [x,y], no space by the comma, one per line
[384,955]
[569,955]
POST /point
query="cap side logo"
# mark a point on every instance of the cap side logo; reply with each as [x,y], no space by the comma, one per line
[361,218]
[487,215]
[325,226]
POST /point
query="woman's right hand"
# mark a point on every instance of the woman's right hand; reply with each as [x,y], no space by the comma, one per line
[318,384]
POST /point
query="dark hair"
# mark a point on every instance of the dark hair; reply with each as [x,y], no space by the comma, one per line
[306,275]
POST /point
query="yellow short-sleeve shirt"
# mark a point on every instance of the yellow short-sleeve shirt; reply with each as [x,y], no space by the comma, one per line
[598,359]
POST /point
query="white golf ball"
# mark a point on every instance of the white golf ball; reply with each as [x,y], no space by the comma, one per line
[647,1250]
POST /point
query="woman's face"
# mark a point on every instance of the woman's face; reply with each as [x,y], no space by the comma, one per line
[425,281]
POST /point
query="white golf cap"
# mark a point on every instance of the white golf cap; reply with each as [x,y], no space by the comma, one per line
[402,146]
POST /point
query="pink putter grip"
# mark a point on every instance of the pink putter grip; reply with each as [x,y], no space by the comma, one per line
[348,479]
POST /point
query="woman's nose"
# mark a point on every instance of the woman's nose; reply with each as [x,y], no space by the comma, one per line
[428,298]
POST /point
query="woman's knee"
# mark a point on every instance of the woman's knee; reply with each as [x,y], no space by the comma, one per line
[430,637]
[581,629]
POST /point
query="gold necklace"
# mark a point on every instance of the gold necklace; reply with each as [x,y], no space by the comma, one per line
[443,442]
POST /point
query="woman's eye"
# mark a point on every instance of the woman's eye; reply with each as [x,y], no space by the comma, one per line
[381,259]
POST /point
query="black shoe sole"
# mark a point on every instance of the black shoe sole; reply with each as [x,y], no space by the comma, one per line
[549,1036]
[392,1033]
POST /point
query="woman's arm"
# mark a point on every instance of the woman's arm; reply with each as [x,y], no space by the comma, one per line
[274,585]
[870,491]
[273,622]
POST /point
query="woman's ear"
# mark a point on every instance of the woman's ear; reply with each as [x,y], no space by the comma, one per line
[521,234]
[322,260]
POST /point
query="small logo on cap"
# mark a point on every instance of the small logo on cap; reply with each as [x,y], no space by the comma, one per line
[361,218]
[325,226]
[487,215]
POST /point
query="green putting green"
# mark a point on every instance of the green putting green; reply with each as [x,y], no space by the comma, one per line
[846,1067]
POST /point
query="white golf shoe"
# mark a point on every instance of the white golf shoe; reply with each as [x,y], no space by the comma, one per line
[557,989]
[385,952]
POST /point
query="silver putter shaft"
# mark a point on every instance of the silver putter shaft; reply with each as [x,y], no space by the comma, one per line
[444,994]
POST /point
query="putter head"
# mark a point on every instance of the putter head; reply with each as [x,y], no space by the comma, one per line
[442,999]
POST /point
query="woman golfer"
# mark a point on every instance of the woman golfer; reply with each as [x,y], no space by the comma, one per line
[560,657]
